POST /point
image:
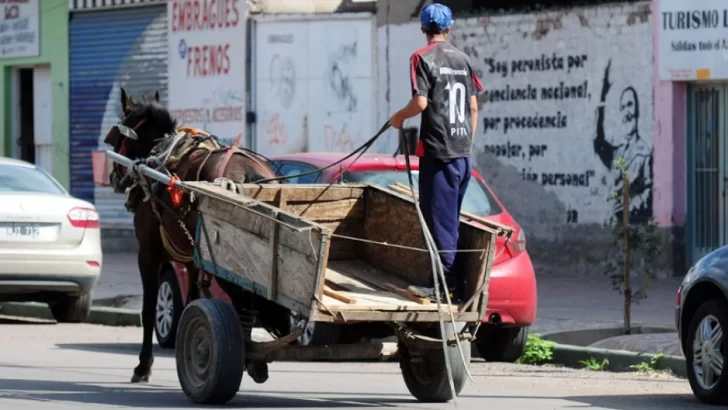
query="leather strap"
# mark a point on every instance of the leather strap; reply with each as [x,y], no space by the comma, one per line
[229,154]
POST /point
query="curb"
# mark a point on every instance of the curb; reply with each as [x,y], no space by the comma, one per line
[99,315]
[619,360]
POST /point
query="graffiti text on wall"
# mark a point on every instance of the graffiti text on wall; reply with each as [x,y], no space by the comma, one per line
[544,100]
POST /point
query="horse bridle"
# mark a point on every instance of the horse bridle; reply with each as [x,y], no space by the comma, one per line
[119,171]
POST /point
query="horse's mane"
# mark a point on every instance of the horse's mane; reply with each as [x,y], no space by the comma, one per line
[153,112]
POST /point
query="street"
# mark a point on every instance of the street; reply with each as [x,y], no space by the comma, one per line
[51,366]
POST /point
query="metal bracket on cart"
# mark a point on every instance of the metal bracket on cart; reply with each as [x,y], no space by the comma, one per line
[416,340]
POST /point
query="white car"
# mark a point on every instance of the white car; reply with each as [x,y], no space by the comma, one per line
[50,242]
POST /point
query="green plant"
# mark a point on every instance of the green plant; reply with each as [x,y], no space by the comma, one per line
[635,245]
[593,364]
[537,351]
[652,365]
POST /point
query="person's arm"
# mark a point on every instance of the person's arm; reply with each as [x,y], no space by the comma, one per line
[476,87]
[420,83]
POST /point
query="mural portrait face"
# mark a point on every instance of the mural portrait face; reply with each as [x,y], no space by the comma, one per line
[629,110]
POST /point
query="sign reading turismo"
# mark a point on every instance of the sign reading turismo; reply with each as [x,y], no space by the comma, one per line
[207,65]
[693,40]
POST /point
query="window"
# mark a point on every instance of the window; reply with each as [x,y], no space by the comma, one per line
[14,178]
[478,200]
[296,168]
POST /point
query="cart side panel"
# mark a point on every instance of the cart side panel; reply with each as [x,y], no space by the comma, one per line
[476,266]
[392,218]
[259,248]
[338,208]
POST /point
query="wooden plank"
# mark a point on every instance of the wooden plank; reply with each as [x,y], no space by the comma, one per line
[391,316]
[273,245]
[394,220]
[249,261]
[354,275]
[329,210]
[304,193]
[297,273]
[383,301]
[338,296]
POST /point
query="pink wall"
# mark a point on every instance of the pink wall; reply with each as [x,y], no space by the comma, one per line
[669,142]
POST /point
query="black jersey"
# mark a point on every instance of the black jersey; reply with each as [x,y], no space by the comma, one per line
[443,74]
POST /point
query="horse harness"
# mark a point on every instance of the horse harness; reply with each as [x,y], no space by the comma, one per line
[176,155]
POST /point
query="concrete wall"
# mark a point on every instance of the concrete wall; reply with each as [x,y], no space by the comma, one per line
[670,136]
[569,91]
[53,51]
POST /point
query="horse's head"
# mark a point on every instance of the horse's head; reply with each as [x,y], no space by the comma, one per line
[143,123]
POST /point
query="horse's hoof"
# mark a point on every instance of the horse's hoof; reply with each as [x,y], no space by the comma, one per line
[140,379]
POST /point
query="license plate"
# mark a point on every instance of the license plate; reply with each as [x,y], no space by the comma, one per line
[22,231]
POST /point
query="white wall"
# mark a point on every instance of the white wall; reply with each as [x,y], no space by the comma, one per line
[314,83]
[547,171]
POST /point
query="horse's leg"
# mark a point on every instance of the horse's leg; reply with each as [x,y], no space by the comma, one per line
[193,289]
[149,266]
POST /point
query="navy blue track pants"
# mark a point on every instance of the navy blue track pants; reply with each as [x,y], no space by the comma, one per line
[442,189]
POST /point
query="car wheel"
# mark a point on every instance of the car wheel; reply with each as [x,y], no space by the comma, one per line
[169,310]
[71,309]
[316,333]
[705,349]
[501,344]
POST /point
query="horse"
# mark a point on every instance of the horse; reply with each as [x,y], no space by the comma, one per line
[148,128]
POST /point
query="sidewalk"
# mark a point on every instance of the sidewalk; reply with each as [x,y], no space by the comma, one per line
[564,303]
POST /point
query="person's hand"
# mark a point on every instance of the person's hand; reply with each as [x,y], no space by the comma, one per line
[396,121]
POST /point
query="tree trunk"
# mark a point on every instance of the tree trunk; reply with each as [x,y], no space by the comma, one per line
[625,230]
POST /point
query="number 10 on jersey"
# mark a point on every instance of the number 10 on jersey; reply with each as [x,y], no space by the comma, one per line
[456,103]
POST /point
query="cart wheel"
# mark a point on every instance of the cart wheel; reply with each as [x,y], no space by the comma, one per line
[209,352]
[426,374]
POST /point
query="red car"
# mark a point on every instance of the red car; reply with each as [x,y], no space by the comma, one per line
[511,305]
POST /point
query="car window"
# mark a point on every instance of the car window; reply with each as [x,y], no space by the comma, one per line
[14,178]
[296,168]
[478,200]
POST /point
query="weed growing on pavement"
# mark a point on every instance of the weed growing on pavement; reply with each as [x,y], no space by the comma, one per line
[635,244]
[538,351]
[647,367]
[592,364]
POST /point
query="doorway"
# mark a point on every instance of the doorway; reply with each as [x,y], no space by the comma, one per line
[25,141]
[32,113]
[707,169]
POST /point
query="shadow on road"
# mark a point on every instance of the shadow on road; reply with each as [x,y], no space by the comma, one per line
[131,349]
[158,397]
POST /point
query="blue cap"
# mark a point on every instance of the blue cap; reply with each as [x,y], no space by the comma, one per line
[436,14]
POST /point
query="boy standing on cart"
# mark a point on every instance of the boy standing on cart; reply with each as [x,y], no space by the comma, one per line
[444,90]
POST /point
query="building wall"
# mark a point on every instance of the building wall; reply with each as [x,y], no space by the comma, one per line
[313,82]
[54,51]
[111,49]
[549,156]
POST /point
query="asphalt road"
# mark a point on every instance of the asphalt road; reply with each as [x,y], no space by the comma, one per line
[50,366]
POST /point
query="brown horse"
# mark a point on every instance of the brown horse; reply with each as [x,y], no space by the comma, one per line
[165,229]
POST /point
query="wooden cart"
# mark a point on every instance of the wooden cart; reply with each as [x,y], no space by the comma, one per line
[342,254]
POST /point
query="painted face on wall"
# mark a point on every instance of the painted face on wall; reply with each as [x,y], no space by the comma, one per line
[629,110]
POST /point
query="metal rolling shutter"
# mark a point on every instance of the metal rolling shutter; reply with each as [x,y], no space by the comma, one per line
[110,49]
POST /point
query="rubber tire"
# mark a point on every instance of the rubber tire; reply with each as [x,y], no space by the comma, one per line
[438,389]
[227,351]
[719,394]
[323,334]
[505,344]
[177,307]
[71,309]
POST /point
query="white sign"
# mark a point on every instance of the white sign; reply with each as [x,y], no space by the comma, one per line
[207,65]
[693,39]
[19,28]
